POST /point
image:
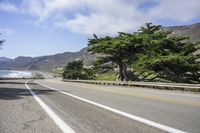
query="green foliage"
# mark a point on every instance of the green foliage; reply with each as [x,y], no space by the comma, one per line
[151,52]
[169,57]
[75,70]
[118,50]
[106,76]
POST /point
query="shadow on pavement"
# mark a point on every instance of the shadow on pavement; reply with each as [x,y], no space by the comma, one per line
[13,90]
[14,82]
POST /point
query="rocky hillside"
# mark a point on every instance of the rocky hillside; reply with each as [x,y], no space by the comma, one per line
[47,63]
[192,31]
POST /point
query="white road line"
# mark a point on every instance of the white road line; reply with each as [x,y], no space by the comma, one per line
[59,122]
[136,118]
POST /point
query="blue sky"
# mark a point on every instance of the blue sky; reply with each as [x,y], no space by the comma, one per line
[44,27]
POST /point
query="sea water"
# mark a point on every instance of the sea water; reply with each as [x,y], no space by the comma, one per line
[15,74]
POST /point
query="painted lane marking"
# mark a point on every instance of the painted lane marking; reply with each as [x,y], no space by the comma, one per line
[58,121]
[136,118]
[136,94]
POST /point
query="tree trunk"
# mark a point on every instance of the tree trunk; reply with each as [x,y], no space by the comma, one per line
[124,71]
[121,76]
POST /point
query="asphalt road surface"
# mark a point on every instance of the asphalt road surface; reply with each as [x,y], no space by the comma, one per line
[54,106]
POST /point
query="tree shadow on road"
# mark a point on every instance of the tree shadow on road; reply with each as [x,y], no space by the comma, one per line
[12,91]
[14,82]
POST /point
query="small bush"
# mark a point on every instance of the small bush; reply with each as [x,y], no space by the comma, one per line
[76,70]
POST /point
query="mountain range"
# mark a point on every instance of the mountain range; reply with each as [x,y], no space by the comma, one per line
[45,63]
[50,62]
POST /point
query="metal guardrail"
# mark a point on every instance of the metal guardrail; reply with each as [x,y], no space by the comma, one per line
[164,86]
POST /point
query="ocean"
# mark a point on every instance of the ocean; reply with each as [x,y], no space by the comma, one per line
[15,74]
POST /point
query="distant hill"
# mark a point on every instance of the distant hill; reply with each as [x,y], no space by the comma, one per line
[192,31]
[47,63]
[5,59]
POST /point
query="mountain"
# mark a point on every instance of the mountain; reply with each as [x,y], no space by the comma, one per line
[192,31]
[5,59]
[47,63]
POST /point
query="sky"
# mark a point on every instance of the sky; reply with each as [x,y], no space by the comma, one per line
[45,27]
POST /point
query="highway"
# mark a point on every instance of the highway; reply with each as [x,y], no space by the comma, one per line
[54,106]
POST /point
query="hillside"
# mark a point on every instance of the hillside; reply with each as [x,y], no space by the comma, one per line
[192,31]
[47,63]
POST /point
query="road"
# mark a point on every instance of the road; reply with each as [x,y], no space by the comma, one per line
[55,106]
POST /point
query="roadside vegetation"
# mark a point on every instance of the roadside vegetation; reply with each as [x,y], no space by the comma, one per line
[76,70]
[106,76]
[150,54]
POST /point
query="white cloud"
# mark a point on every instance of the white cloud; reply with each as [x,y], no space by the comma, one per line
[179,10]
[105,18]
[108,16]
[88,16]
[8,7]
[6,31]
[43,9]
[101,24]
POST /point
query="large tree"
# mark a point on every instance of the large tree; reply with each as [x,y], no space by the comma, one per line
[119,50]
[150,51]
[168,57]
